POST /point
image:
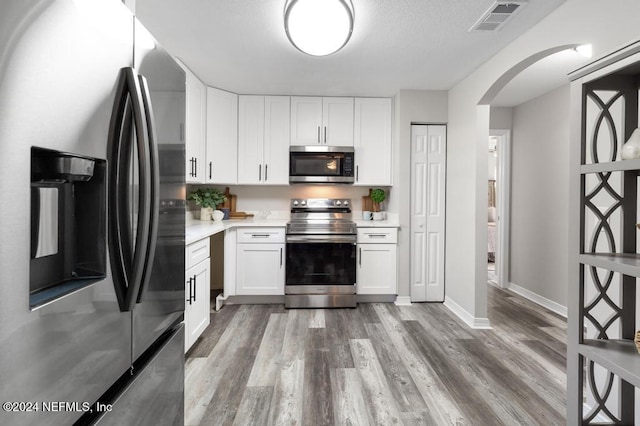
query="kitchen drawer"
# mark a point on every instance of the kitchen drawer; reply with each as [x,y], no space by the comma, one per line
[377,235]
[196,252]
[260,235]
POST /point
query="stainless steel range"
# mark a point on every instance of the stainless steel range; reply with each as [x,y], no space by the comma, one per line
[321,254]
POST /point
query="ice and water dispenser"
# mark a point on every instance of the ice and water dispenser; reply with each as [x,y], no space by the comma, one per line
[68,223]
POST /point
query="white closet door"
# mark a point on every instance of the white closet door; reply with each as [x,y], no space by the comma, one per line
[428,161]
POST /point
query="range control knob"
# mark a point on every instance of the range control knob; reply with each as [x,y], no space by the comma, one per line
[303,202]
[346,203]
[338,203]
[295,202]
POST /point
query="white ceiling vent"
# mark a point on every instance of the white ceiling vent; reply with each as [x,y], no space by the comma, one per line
[497,15]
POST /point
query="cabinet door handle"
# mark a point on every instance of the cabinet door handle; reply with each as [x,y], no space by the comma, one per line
[189,299]
[318,134]
[182,132]
[195,167]
[191,164]
[266,170]
[357,172]
[360,257]
[195,291]
[281,257]
[259,172]
[325,134]
[210,169]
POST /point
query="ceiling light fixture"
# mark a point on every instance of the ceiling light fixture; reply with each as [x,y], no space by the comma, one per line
[318,27]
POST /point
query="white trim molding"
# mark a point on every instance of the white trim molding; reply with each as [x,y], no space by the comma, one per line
[540,300]
[403,301]
[464,315]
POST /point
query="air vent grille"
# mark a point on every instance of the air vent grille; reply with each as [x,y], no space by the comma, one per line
[497,15]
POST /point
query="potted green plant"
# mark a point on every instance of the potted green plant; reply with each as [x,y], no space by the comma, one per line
[378,196]
[208,199]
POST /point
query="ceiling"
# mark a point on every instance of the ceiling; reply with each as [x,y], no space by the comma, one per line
[241,46]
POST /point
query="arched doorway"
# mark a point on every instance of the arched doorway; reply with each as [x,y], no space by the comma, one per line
[485,106]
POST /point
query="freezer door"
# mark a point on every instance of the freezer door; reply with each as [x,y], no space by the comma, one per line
[155,396]
[161,300]
[58,67]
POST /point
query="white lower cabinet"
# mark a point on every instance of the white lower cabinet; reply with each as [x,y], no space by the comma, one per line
[377,261]
[196,291]
[260,259]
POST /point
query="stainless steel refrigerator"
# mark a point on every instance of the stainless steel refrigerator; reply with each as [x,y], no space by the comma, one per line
[91,218]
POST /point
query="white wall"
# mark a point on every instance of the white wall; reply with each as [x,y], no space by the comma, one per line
[277,198]
[418,107]
[539,195]
[501,118]
[606,25]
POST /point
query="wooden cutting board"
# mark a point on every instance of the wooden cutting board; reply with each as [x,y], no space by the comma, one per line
[230,202]
[239,215]
[367,202]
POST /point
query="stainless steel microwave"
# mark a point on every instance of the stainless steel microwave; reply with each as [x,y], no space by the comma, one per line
[321,164]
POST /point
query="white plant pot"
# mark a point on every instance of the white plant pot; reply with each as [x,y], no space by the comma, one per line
[378,215]
[206,213]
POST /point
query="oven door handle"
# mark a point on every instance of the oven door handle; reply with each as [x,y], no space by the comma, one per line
[321,239]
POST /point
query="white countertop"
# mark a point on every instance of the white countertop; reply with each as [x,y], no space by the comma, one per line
[376,223]
[197,229]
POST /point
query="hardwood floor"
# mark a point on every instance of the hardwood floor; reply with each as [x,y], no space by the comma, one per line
[378,364]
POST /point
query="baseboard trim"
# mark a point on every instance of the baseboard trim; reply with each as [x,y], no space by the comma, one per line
[403,301]
[464,315]
[540,300]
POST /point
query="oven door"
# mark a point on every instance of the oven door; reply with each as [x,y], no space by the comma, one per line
[320,272]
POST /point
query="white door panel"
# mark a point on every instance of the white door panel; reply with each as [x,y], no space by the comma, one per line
[428,162]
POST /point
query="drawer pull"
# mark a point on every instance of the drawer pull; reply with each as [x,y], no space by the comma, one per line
[377,235]
[260,235]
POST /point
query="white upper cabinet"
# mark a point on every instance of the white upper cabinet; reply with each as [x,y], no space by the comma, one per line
[277,117]
[222,137]
[195,128]
[306,120]
[169,113]
[337,121]
[263,140]
[250,139]
[372,141]
[321,121]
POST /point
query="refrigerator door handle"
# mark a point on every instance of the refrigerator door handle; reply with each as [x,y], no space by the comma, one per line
[153,176]
[127,257]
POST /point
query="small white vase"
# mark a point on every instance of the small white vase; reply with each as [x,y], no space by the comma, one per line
[206,213]
[378,215]
[218,215]
[631,149]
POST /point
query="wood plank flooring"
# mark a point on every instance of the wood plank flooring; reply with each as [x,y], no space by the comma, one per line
[378,364]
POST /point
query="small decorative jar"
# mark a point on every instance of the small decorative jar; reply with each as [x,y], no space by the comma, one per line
[206,213]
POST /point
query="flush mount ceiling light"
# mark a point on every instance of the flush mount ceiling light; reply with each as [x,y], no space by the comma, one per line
[318,27]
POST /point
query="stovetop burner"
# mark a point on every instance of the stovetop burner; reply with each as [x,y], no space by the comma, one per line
[321,216]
